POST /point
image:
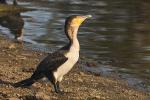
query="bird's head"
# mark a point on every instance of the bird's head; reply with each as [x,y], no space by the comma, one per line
[72,24]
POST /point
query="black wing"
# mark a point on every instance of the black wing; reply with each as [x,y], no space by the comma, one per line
[52,62]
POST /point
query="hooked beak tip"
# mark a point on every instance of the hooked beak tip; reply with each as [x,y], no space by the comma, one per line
[88,16]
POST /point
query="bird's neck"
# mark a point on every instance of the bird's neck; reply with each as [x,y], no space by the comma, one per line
[74,40]
[75,44]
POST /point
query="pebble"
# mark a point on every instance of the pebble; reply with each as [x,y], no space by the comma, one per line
[27,69]
[43,96]
[13,98]
[98,97]
[82,73]
[80,80]
[12,46]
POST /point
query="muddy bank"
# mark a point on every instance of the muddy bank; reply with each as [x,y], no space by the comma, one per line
[17,63]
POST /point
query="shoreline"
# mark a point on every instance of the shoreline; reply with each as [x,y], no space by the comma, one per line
[16,64]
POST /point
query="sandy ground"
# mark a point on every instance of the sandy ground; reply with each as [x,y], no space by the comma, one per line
[17,63]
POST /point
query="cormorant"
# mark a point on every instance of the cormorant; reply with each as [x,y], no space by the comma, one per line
[59,63]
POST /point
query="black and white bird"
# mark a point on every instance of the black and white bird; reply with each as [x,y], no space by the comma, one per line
[59,63]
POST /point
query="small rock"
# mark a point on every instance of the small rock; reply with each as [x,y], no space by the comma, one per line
[103,98]
[28,97]
[98,97]
[27,69]
[37,85]
[82,73]
[12,46]
[80,80]
[43,96]
[13,98]
[3,94]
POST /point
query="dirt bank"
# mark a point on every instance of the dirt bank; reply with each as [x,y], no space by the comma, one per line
[17,64]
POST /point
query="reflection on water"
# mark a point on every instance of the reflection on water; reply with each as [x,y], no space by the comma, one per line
[14,22]
[117,36]
[3,1]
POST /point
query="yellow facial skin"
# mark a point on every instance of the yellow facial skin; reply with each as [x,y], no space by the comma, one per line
[77,21]
[74,24]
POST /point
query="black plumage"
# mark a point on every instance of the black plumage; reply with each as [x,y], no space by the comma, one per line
[45,69]
[51,62]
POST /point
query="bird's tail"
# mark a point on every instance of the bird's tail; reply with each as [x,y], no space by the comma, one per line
[29,81]
[24,83]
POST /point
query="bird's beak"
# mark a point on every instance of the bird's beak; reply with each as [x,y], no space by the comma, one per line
[88,16]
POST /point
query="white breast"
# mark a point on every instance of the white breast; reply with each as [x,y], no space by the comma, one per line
[73,57]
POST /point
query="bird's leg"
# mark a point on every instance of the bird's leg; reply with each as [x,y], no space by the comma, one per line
[57,88]
[51,78]
[57,84]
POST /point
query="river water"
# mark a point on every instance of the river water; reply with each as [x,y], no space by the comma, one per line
[117,36]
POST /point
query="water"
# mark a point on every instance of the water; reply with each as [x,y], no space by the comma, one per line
[117,37]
